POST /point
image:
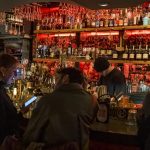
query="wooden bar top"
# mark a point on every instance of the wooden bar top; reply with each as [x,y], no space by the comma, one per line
[115,126]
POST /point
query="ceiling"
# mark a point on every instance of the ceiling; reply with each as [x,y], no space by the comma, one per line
[5,5]
[94,4]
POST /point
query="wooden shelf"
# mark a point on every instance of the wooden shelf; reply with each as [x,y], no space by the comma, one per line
[84,60]
[131,61]
[48,60]
[140,27]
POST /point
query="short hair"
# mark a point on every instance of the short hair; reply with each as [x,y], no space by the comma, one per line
[101,64]
[7,60]
[75,75]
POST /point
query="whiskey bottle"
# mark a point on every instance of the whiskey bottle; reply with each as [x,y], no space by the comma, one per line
[101,22]
[97,23]
[115,54]
[121,23]
[125,54]
[125,18]
[145,53]
[139,53]
[131,53]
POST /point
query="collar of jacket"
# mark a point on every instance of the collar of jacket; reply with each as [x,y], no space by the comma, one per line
[70,86]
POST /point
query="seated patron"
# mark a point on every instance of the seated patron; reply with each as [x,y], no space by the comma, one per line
[64,115]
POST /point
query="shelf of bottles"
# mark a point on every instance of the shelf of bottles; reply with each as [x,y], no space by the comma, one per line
[75,18]
[137,77]
[14,24]
[77,33]
[140,62]
[67,36]
[89,45]
[139,27]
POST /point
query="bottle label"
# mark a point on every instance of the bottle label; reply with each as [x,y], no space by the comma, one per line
[115,56]
[145,21]
[103,52]
[111,23]
[125,22]
[145,56]
[106,22]
[101,23]
[131,56]
[125,56]
[93,23]
[37,27]
[97,24]
[135,20]
[121,22]
[69,51]
[138,56]
[109,52]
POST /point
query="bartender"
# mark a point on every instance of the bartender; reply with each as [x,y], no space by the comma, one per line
[113,78]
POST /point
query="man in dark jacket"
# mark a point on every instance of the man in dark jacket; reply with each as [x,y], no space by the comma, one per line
[143,122]
[113,78]
[9,119]
[63,116]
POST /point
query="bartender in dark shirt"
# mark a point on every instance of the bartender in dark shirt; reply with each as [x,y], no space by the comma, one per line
[113,78]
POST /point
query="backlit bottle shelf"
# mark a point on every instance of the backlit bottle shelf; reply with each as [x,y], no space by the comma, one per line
[84,60]
[140,27]
[131,61]
[48,60]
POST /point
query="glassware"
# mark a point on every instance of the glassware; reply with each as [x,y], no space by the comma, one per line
[131,119]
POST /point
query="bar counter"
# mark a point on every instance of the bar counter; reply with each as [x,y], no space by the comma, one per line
[114,135]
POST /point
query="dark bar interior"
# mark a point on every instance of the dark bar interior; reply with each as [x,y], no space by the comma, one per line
[75,75]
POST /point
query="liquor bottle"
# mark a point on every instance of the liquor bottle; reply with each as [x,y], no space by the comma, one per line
[88,23]
[130,17]
[38,26]
[101,22]
[115,54]
[102,52]
[106,22]
[116,21]
[84,22]
[106,17]
[149,51]
[121,23]
[125,54]
[146,19]
[131,53]
[145,53]
[135,20]
[109,52]
[140,19]
[71,22]
[97,23]
[69,50]
[125,18]
[47,53]
[110,22]
[75,24]
[139,53]
[93,22]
